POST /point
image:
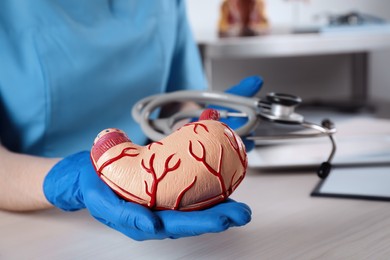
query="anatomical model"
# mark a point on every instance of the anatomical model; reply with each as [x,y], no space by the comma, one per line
[195,167]
[242,18]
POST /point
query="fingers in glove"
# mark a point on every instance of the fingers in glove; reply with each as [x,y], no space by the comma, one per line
[247,87]
[249,144]
[184,224]
[238,213]
[106,206]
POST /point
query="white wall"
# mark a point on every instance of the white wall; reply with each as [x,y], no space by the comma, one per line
[204,15]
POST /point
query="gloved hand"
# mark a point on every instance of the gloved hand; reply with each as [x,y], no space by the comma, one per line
[73,184]
[248,87]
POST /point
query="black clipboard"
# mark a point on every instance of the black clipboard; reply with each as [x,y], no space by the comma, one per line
[365,182]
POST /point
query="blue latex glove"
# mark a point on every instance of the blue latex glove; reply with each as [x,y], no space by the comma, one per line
[248,87]
[73,184]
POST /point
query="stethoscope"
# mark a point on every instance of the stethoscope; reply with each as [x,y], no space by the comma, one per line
[275,107]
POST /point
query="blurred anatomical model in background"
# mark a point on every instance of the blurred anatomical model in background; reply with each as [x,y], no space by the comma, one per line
[242,18]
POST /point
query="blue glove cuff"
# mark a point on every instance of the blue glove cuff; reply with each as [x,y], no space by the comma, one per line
[61,185]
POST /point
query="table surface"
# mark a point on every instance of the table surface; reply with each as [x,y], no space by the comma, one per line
[287,224]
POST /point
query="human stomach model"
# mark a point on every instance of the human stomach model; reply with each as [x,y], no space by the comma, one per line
[195,167]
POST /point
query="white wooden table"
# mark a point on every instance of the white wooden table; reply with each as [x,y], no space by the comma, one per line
[287,224]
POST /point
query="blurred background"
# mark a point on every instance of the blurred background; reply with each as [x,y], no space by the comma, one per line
[334,54]
[327,77]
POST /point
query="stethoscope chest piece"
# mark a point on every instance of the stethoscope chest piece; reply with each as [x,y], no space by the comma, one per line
[281,108]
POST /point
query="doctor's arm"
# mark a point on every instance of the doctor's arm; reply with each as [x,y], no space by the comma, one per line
[21,179]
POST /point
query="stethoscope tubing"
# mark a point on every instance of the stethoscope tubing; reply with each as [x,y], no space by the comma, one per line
[250,107]
[282,111]
[142,111]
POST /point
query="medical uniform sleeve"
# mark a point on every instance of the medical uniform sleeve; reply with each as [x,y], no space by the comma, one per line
[186,70]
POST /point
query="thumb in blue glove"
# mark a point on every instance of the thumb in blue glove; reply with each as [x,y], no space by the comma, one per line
[248,87]
[73,184]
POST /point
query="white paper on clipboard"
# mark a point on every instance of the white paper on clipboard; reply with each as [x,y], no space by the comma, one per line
[365,182]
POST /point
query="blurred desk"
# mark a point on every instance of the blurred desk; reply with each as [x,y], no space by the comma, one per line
[290,45]
[356,43]
[287,224]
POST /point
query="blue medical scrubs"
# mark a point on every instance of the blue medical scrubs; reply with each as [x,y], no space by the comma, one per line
[71,68]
